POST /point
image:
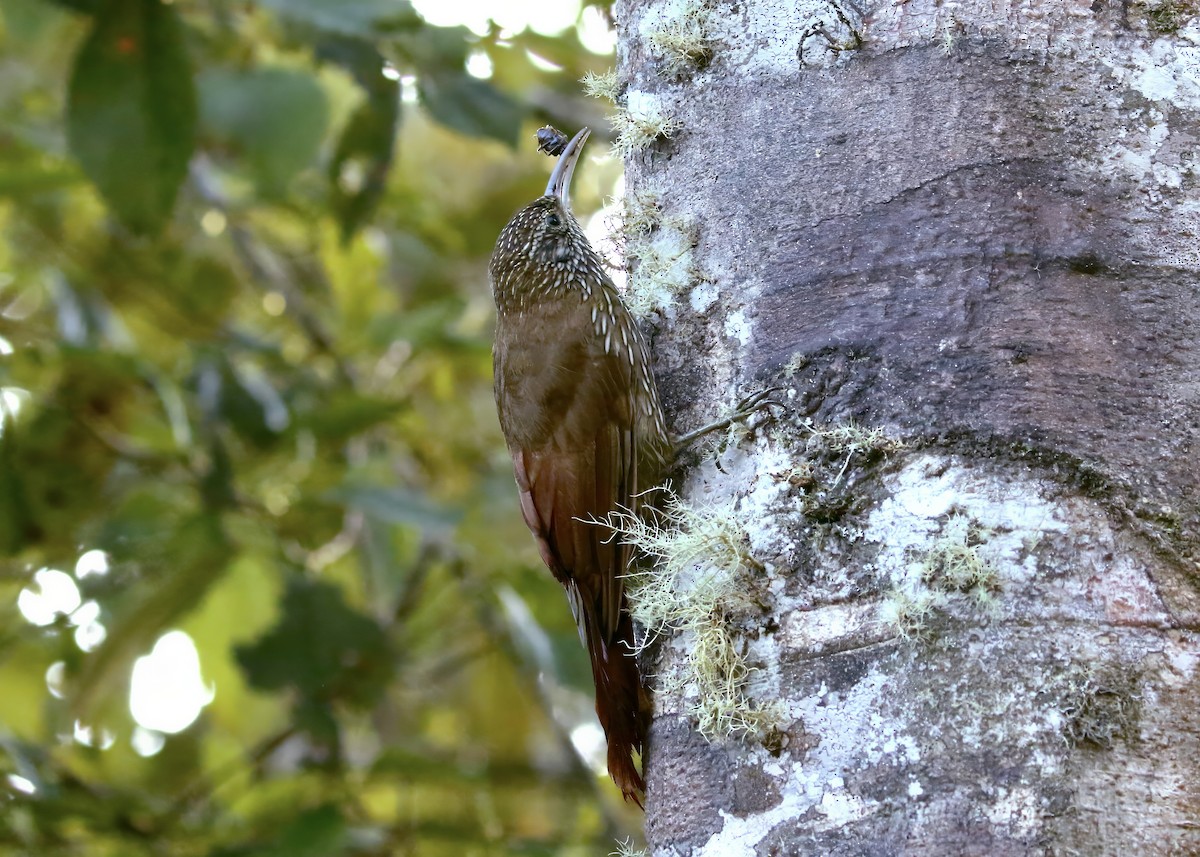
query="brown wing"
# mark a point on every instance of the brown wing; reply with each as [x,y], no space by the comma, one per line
[575,463]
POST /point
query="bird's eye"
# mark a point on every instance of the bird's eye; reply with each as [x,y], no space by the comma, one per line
[552,220]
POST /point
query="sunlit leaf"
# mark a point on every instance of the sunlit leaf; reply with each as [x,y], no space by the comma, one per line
[131,114]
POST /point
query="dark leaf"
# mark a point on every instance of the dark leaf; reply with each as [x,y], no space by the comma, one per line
[243,398]
[316,833]
[350,17]
[216,483]
[470,105]
[359,168]
[131,110]
[18,525]
[321,648]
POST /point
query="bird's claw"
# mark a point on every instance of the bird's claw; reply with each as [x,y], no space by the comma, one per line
[758,401]
[745,408]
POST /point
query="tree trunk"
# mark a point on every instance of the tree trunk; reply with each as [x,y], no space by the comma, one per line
[974,228]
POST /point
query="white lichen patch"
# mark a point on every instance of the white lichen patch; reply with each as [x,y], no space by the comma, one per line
[740,834]
[764,38]
[1018,809]
[703,296]
[1169,71]
[996,525]
[737,326]
[757,477]
[804,790]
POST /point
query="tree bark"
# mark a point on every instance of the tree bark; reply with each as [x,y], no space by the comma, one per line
[974,227]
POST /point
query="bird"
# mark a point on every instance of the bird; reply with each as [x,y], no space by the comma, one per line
[582,419]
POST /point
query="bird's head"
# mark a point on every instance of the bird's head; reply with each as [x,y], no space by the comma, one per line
[544,235]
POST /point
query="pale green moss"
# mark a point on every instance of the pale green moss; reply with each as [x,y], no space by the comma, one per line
[626,848]
[605,85]
[912,613]
[954,563]
[640,125]
[699,584]
[850,438]
[1101,704]
[643,211]
[680,35]
[662,247]
[796,363]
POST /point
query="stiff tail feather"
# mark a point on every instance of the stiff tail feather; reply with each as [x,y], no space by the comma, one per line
[622,704]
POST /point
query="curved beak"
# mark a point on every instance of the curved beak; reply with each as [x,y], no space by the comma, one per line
[560,179]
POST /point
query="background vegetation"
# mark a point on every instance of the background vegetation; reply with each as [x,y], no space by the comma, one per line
[245,353]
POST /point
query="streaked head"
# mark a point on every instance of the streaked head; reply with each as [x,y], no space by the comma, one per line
[544,234]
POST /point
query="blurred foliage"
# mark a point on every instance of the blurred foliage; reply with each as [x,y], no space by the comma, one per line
[245,352]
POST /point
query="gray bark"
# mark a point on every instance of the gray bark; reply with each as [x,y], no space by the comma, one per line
[978,232]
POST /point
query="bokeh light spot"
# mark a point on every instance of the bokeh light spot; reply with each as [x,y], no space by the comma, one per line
[54,593]
[166,692]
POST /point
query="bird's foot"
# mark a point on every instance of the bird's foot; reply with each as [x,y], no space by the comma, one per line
[747,407]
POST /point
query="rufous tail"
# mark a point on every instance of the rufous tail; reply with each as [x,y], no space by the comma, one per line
[622,704]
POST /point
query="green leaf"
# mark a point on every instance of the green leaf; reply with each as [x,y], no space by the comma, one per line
[398,506]
[318,833]
[88,7]
[350,17]
[27,172]
[359,168]
[349,413]
[131,110]
[470,105]
[275,117]
[321,648]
